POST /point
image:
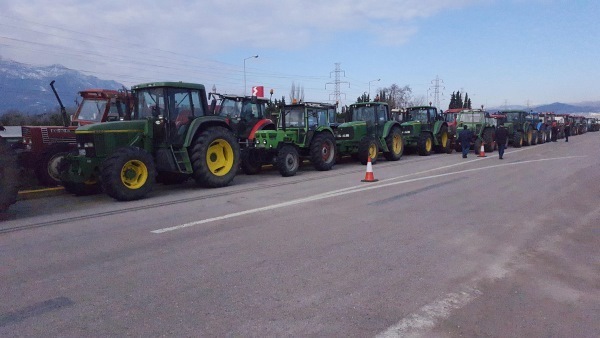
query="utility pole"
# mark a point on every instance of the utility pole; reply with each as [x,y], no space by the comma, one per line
[437,85]
[336,92]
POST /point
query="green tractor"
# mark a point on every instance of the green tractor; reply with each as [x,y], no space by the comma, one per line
[370,129]
[521,131]
[303,131]
[482,125]
[9,175]
[426,131]
[170,135]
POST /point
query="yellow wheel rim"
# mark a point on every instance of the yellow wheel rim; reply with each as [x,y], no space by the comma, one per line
[373,151]
[134,174]
[220,157]
[397,144]
[428,145]
[529,137]
[444,139]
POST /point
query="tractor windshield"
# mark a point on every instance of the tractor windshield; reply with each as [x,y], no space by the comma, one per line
[364,114]
[294,117]
[469,118]
[419,115]
[230,108]
[512,117]
[92,110]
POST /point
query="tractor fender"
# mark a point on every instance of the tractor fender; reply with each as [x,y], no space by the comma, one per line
[200,124]
[387,128]
[437,127]
[261,125]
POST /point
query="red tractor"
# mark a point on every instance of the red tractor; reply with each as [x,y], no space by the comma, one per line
[43,146]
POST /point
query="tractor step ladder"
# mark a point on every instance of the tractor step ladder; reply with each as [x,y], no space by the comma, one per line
[181,158]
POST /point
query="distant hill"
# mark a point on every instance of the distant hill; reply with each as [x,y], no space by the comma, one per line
[562,108]
[27,88]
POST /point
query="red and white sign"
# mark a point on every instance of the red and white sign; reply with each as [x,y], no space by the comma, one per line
[258,91]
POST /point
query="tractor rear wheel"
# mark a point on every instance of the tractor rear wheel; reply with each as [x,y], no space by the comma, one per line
[425,144]
[488,139]
[527,137]
[322,151]
[46,171]
[517,139]
[128,174]
[395,145]
[215,155]
[9,176]
[251,164]
[534,137]
[288,160]
[367,148]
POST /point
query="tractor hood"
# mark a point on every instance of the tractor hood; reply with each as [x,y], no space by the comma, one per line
[117,126]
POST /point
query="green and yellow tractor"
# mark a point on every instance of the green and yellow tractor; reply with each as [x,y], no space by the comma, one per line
[426,131]
[171,134]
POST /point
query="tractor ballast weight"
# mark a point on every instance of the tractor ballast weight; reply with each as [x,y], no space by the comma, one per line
[170,135]
[426,131]
[368,130]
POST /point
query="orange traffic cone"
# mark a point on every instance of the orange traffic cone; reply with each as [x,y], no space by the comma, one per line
[369,174]
[481,151]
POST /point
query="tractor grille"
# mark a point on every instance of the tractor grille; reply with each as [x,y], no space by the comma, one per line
[407,129]
[344,133]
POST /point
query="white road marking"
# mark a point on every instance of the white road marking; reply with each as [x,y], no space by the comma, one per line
[354,189]
[426,317]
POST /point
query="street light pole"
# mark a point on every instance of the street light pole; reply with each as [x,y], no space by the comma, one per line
[370,86]
[250,57]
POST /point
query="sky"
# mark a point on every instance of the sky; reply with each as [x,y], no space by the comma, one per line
[500,52]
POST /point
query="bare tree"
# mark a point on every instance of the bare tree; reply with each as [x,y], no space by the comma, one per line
[396,96]
[296,93]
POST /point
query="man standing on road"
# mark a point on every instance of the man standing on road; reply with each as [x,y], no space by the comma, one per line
[567,131]
[501,138]
[554,132]
[464,137]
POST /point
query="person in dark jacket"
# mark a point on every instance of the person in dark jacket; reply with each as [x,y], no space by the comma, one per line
[554,131]
[464,137]
[501,138]
[567,131]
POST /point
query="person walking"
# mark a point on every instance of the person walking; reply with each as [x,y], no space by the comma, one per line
[464,137]
[567,131]
[501,138]
[554,131]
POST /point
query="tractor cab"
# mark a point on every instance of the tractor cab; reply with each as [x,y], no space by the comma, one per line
[171,108]
[246,114]
[102,105]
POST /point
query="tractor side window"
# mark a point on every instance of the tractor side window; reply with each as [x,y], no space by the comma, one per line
[151,103]
[249,111]
[115,111]
[92,110]
[332,117]
[294,118]
[313,119]
[381,113]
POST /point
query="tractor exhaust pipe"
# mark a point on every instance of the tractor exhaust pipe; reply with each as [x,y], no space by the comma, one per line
[63,110]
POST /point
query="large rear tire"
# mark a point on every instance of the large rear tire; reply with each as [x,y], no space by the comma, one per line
[46,171]
[215,157]
[9,176]
[128,174]
[368,148]
[288,160]
[534,137]
[488,139]
[443,140]
[527,137]
[395,145]
[425,144]
[322,151]
[517,140]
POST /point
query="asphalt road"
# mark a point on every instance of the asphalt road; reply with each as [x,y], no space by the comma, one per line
[440,246]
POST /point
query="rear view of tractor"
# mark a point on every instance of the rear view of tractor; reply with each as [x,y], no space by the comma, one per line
[538,124]
[170,135]
[520,131]
[44,146]
[426,131]
[370,129]
[303,132]
[247,115]
[482,125]
[9,175]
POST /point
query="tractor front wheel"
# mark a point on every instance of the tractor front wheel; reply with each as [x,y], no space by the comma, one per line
[425,144]
[395,145]
[488,139]
[288,160]
[517,140]
[367,148]
[215,156]
[128,174]
[322,151]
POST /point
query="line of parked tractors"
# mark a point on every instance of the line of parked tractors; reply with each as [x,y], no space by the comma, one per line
[123,142]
